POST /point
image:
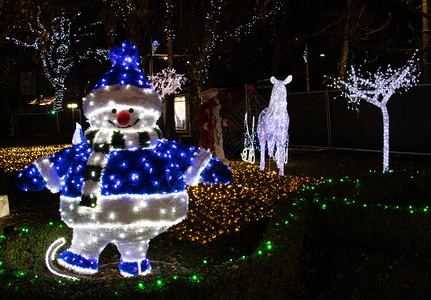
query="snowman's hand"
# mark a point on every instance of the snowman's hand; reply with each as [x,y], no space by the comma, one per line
[49,173]
[216,172]
[200,161]
[30,179]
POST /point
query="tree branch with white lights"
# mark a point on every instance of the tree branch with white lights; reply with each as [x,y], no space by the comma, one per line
[377,89]
[212,36]
[52,41]
[167,82]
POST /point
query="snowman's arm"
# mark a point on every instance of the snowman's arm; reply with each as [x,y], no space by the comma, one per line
[199,162]
[216,172]
[30,179]
[39,175]
[47,171]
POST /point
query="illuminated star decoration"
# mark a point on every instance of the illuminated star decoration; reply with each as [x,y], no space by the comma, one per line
[377,89]
[123,184]
[273,124]
[53,43]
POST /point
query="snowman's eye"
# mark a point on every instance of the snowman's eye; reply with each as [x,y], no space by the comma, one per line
[114,111]
[130,110]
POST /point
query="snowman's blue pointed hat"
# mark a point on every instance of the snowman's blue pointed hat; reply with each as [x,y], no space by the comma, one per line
[125,68]
[123,85]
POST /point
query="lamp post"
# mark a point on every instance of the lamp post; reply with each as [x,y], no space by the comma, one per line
[72,106]
[307,74]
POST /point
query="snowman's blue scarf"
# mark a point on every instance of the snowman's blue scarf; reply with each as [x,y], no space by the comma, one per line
[93,172]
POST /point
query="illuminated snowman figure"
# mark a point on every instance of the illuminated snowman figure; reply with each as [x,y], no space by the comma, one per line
[122,184]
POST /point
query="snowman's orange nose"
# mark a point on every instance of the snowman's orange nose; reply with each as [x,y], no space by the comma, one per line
[123,118]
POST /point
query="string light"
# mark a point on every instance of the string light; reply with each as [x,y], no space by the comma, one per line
[122,9]
[212,20]
[219,210]
[324,201]
[273,125]
[123,184]
[307,192]
[170,34]
[377,89]
[53,42]
[17,158]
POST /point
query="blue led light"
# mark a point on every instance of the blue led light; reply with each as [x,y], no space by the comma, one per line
[125,68]
[76,260]
[139,172]
[30,179]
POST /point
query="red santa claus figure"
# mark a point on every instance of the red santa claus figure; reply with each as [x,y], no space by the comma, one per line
[210,123]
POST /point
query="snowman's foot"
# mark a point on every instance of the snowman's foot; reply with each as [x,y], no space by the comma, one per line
[77,263]
[128,269]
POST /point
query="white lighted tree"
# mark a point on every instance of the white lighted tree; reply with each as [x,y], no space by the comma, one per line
[167,82]
[377,89]
[53,42]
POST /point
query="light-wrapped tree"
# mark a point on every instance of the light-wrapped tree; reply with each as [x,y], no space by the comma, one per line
[167,82]
[377,89]
[53,41]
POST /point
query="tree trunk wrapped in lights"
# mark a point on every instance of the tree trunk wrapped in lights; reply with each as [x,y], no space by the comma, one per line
[53,42]
[377,89]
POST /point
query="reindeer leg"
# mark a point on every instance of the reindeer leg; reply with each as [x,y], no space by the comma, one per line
[280,158]
[262,155]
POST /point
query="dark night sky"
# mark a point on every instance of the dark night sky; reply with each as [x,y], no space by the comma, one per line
[276,46]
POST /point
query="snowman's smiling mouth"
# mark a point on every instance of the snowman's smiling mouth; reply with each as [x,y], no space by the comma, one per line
[118,126]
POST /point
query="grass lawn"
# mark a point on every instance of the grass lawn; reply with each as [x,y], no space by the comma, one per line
[233,243]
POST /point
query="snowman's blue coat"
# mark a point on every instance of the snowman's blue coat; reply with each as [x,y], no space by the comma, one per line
[143,171]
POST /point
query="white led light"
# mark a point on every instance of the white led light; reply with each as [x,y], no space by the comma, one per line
[377,89]
[52,40]
[50,256]
[273,125]
[248,154]
[167,82]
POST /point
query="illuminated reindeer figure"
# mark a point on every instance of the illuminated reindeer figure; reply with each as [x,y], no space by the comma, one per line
[273,124]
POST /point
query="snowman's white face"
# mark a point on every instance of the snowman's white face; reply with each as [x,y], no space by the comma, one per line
[123,118]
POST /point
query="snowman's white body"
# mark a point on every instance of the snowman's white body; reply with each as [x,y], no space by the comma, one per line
[127,221]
